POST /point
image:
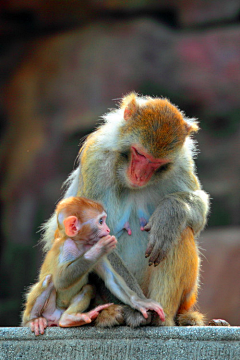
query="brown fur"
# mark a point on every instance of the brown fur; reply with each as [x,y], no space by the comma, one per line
[111,316]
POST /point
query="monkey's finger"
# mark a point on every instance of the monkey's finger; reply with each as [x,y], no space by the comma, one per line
[32,326]
[149,249]
[151,244]
[144,312]
[160,312]
[162,255]
[102,307]
[41,326]
[156,251]
[36,327]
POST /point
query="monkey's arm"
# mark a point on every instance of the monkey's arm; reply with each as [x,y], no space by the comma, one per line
[72,268]
[175,212]
[116,284]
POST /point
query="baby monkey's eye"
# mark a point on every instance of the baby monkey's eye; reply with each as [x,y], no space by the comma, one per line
[101,221]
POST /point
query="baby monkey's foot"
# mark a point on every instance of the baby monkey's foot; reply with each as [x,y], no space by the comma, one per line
[38,325]
[79,319]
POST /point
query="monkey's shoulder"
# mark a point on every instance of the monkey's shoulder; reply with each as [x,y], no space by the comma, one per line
[69,251]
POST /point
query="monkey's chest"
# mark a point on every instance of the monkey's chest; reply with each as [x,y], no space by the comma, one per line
[132,246]
[127,222]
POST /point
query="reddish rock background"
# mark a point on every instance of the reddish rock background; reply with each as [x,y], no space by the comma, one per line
[60,69]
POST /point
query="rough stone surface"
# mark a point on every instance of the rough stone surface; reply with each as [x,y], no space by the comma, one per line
[122,343]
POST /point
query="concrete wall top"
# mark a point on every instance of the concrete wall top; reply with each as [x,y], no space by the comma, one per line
[146,343]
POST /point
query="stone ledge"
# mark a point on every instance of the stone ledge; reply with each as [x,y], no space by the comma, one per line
[146,343]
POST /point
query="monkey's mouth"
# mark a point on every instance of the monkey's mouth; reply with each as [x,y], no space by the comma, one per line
[142,166]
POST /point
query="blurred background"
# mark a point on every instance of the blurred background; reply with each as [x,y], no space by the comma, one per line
[63,63]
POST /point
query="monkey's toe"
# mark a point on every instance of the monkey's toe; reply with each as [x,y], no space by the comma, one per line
[112,316]
[218,322]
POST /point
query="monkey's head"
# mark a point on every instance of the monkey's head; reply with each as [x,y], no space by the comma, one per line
[82,219]
[151,137]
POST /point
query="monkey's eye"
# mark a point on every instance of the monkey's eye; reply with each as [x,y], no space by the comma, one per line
[100,221]
[163,168]
[125,154]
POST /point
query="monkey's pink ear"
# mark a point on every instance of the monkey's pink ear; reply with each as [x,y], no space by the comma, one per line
[72,226]
[130,106]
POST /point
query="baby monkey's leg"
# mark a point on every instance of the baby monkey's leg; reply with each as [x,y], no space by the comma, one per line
[44,311]
[74,315]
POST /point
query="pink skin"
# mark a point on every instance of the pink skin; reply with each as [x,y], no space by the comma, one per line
[153,307]
[39,325]
[142,166]
[143,223]
[70,320]
[127,227]
[104,228]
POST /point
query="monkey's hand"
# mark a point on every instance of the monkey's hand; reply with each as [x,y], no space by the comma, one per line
[165,227]
[175,212]
[106,244]
[144,305]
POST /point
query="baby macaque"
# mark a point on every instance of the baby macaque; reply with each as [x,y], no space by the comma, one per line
[81,243]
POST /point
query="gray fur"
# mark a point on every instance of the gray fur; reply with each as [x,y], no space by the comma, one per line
[174,213]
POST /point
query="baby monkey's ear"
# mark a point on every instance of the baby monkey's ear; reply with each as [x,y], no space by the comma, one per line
[71,225]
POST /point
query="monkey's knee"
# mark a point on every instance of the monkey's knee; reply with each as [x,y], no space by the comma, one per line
[112,316]
[193,318]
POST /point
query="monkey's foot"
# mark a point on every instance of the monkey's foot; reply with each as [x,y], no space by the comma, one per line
[111,316]
[218,322]
[38,325]
[193,318]
[127,227]
[79,319]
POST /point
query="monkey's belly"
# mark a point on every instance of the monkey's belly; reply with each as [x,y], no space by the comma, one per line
[64,297]
[131,249]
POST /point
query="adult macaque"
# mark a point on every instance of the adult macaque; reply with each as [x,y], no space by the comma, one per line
[139,164]
[80,246]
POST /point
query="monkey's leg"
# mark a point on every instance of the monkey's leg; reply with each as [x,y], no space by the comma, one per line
[118,314]
[74,315]
[49,317]
[174,282]
[186,316]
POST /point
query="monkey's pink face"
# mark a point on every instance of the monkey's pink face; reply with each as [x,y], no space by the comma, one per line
[142,166]
[103,229]
[97,228]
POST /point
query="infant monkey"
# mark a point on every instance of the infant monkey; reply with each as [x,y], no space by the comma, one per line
[80,246]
